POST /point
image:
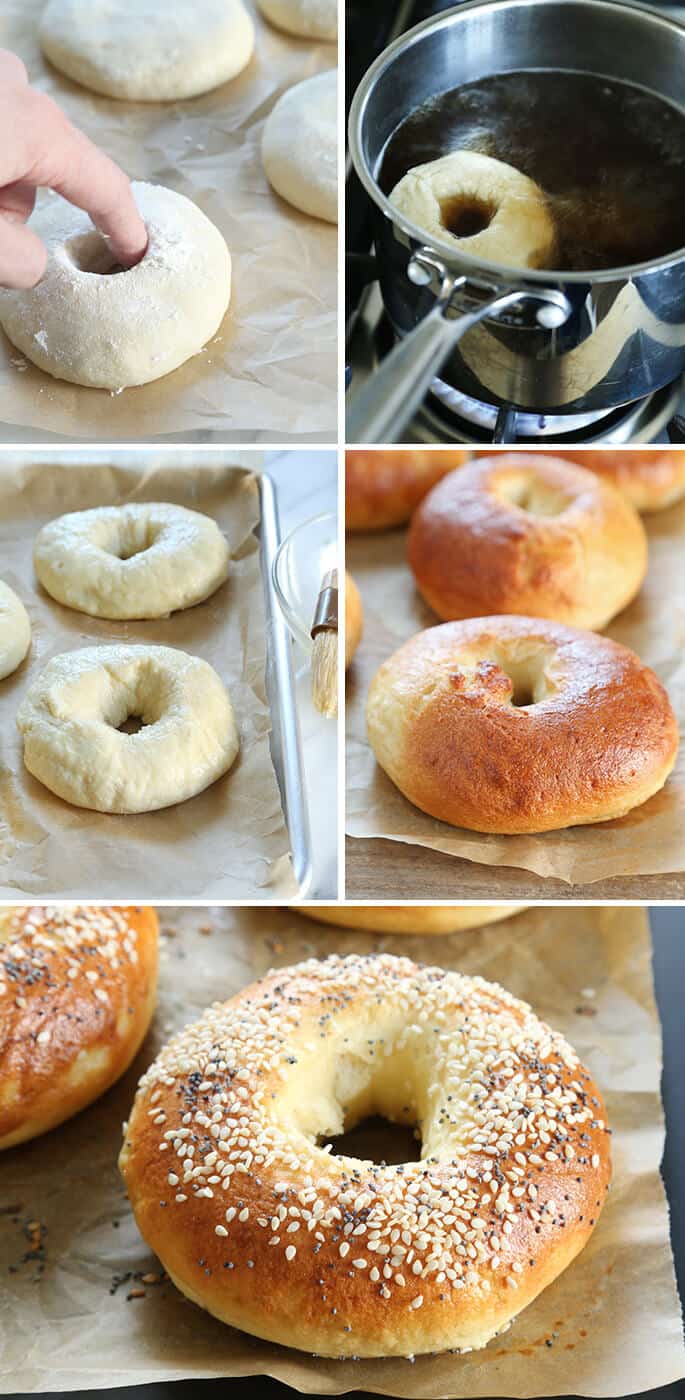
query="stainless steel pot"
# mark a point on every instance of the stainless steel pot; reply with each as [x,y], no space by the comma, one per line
[547,341]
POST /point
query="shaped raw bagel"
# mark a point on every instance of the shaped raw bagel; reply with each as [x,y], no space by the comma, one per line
[77,993]
[270,1232]
[132,561]
[447,195]
[512,724]
[91,323]
[71,722]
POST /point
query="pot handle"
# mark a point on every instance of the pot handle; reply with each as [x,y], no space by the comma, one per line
[381,409]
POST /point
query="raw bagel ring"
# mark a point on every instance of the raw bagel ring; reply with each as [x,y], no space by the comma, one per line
[15,631]
[132,561]
[345,1257]
[651,478]
[354,618]
[305,171]
[521,533]
[384,486]
[309,19]
[77,993]
[514,724]
[70,722]
[90,323]
[518,228]
[407,918]
[150,51]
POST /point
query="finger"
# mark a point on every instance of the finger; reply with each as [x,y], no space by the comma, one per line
[22,256]
[88,178]
[17,201]
[12,70]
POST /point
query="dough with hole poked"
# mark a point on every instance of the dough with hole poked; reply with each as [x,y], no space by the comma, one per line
[519,230]
[310,19]
[90,324]
[135,561]
[300,146]
[73,743]
[15,631]
[150,51]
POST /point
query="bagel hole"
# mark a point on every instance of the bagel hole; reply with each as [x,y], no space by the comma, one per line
[131,725]
[530,494]
[529,680]
[90,252]
[376,1139]
[464,216]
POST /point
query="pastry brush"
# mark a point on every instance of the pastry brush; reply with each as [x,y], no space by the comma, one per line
[325,649]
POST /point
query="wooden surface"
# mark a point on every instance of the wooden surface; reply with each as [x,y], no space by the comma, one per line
[394,871]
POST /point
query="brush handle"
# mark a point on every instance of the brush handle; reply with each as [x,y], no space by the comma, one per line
[326,613]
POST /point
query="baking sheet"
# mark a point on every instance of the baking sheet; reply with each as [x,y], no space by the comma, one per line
[229,842]
[648,841]
[610,1325]
[271,371]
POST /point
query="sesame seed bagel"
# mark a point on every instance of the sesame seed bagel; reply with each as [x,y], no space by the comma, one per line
[135,561]
[515,724]
[383,487]
[407,918]
[270,1233]
[77,993]
[651,478]
[354,618]
[519,533]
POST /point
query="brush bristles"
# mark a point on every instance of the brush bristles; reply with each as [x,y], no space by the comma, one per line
[325,673]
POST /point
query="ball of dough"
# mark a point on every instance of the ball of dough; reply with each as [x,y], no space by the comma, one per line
[383,486]
[354,618]
[77,994]
[91,323]
[300,146]
[408,918]
[463,190]
[15,631]
[148,51]
[310,19]
[132,561]
[516,725]
[519,532]
[72,717]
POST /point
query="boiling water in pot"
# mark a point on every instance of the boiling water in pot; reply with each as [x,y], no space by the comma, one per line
[609,156]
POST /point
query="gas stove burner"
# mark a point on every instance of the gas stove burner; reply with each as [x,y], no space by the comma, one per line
[448,415]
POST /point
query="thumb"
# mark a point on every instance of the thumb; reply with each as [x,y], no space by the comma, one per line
[23,256]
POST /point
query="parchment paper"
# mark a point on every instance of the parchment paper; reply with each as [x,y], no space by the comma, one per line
[271,371]
[650,840]
[610,1325]
[229,842]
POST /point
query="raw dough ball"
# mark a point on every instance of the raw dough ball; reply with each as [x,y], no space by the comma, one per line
[463,188]
[311,19]
[300,146]
[90,323]
[132,561]
[15,631]
[150,50]
[72,715]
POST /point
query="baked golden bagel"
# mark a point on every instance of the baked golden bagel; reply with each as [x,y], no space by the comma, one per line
[77,993]
[522,533]
[513,724]
[384,486]
[407,918]
[651,478]
[354,618]
[257,1223]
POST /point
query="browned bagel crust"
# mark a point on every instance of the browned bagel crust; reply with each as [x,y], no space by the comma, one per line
[77,992]
[409,918]
[509,1192]
[442,724]
[651,478]
[576,553]
[384,486]
[354,618]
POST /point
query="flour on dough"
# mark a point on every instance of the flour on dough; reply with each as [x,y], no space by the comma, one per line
[310,19]
[300,146]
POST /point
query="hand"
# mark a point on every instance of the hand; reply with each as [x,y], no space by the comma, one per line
[40,147]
